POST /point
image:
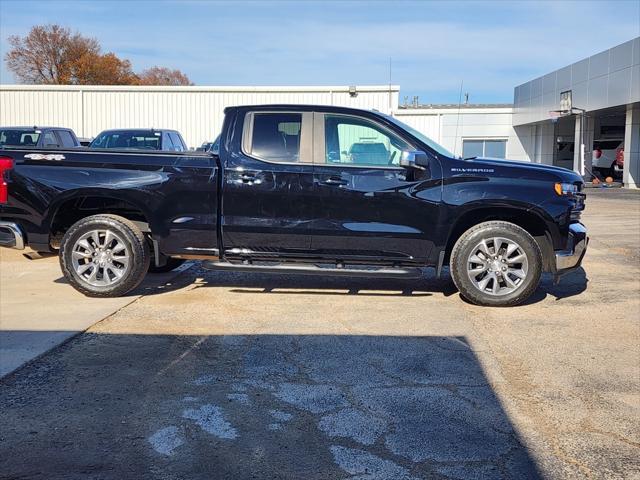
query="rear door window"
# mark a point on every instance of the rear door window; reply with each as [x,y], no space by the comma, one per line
[66,138]
[275,137]
[50,140]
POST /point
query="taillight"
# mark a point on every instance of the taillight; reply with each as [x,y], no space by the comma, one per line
[6,164]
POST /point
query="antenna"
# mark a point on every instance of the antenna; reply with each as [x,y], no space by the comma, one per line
[390,112]
[455,139]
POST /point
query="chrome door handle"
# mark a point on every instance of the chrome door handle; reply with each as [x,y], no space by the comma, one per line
[335,181]
[244,177]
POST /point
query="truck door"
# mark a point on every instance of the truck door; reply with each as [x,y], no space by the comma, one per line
[369,206]
[268,183]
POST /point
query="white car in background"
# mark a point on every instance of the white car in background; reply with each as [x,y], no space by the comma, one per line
[606,156]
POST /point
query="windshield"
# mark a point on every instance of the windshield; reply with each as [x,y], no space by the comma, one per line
[19,138]
[420,136]
[144,140]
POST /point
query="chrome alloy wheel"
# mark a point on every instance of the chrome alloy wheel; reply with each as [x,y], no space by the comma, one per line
[497,266]
[100,258]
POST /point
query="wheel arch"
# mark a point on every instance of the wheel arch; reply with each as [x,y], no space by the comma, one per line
[68,210]
[531,221]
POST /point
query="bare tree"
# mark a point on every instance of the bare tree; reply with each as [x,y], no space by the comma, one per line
[163,76]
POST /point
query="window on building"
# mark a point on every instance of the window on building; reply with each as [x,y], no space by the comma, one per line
[484,148]
[276,136]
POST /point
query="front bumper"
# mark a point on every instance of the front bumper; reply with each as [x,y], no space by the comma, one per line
[11,235]
[571,258]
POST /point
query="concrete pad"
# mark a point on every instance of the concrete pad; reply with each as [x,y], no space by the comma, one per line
[40,310]
[237,376]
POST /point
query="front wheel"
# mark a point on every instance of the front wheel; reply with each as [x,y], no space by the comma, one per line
[104,256]
[497,264]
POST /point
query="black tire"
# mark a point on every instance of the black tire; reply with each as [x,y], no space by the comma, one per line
[468,241]
[171,264]
[132,239]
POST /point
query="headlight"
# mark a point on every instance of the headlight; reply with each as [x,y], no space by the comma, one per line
[566,188]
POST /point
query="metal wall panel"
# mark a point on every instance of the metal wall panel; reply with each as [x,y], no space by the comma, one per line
[450,128]
[42,108]
[425,122]
[603,80]
[197,112]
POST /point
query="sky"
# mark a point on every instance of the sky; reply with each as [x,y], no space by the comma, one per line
[431,46]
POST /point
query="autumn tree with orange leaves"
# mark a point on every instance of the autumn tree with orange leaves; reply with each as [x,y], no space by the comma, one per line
[163,76]
[52,54]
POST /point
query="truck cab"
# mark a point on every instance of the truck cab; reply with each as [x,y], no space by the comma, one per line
[44,137]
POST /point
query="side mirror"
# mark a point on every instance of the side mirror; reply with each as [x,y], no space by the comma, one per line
[414,159]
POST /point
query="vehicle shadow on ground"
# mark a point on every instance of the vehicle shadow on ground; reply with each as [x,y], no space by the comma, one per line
[571,285]
[115,406]
[291,284]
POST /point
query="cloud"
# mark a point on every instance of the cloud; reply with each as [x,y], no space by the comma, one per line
[492,46]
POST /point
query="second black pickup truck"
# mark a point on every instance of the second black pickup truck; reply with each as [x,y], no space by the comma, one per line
[297,189]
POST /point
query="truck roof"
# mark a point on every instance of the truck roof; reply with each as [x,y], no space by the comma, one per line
[33,127]
[147,129]
[304,108]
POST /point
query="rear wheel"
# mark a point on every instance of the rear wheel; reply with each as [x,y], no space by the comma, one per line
[104,256]
[496,264]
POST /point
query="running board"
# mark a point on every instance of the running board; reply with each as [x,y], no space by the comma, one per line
[390,272]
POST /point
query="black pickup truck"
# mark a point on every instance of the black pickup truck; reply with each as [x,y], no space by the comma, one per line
[297,189]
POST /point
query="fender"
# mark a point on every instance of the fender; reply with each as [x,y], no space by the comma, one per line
[107,194]
[531,217]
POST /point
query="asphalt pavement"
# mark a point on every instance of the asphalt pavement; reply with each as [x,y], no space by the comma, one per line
[227,375]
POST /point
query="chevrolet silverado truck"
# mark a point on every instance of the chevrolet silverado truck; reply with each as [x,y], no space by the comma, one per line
[297,189]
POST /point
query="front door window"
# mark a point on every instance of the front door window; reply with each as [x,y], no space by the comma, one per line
[358,142]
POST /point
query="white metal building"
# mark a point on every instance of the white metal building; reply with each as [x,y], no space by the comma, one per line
[196,112]
[606,86]
[468,130]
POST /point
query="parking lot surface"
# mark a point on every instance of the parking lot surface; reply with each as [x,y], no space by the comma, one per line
[227,375]
[38,310]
